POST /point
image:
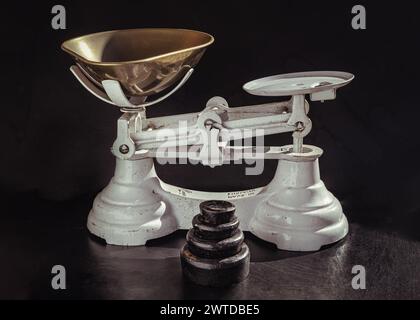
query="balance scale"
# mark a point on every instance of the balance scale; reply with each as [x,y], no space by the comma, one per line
[295,211]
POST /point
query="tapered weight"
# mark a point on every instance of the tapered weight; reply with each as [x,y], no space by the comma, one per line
[215,253]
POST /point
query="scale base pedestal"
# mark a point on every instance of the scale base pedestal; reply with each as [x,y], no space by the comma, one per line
[128,212]
[299,213]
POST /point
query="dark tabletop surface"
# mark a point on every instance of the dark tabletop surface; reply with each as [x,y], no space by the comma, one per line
[39,234]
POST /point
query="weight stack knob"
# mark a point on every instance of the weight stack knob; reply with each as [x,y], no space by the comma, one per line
[215,253]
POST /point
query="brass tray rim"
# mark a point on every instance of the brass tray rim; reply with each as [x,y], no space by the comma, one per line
[111,63]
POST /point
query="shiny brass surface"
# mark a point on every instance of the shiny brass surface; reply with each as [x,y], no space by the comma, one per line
[144,61]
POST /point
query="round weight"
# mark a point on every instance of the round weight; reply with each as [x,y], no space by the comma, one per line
[214,272]
[217,212]
[215,248]
[214,232]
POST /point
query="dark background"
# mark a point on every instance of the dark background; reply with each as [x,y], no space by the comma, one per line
[56,136]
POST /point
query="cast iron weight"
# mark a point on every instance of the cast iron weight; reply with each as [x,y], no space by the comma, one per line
[215,253]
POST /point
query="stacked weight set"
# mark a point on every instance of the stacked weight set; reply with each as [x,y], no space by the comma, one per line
[215,253]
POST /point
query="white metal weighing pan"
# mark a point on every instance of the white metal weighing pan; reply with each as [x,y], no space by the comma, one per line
[299,83]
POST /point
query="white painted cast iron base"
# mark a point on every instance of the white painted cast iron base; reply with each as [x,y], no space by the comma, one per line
[295,210]
[127,211]
[299,213]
